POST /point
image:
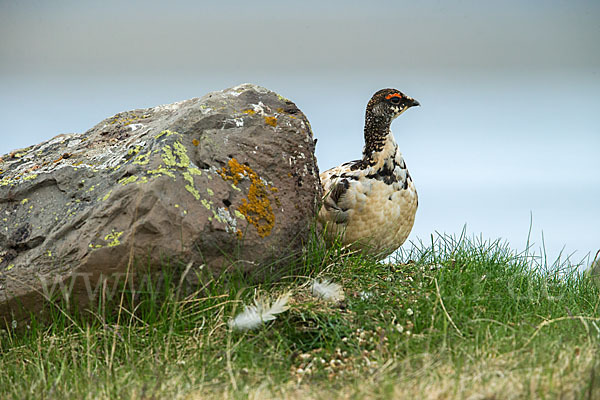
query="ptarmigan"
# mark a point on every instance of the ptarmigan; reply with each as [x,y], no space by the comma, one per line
[371,203]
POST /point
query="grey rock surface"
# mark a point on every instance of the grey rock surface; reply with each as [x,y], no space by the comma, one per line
[229,178]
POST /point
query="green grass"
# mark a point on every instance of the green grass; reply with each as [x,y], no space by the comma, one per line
[455,318]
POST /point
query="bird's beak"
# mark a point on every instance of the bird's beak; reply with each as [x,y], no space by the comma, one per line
[411,102]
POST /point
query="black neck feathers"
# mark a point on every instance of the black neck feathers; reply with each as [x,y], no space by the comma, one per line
[377,128]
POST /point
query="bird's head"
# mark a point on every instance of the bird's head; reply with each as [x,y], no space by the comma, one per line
[389,104]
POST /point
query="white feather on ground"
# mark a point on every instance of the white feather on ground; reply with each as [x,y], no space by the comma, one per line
[262,311]
[327,290]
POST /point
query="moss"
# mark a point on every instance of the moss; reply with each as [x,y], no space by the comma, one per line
[256,208]
[210,192]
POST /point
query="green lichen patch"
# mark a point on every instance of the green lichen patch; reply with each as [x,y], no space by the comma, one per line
[190,187]
[113,238]
[30,177]
[142,159]
[161,170]
[166,133]
[106,196]
[128,180]
[127,118]
[175,156]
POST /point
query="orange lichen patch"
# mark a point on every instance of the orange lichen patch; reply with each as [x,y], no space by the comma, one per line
[271,121]
[280,110]
[63,157]
[257,207]
[195,142]
[28,170]
[250,112]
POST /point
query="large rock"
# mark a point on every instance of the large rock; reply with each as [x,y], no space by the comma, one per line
[227,178]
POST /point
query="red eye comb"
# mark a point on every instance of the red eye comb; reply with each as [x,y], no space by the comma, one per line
[389,96]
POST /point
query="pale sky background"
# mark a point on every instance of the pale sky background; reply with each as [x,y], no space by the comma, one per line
[508,126]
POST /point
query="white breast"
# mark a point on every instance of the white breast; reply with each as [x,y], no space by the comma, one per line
[376,208]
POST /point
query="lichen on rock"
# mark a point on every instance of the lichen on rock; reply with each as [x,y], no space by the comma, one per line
[226,179]
[256,207]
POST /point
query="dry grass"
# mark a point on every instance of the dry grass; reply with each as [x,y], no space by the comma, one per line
[506,376]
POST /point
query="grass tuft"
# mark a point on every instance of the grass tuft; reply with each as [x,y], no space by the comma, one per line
[457,317]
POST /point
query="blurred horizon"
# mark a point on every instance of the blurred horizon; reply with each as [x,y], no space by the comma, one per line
[507,129]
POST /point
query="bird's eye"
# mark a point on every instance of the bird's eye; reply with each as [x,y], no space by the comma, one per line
[395,100]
